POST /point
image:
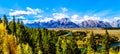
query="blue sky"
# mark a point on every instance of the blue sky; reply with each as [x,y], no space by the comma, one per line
[76,10]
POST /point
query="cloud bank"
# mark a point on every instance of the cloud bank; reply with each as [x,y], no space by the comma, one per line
[39,15]
[28,11]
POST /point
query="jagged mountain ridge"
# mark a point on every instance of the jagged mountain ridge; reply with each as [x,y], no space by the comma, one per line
[66,23]
[95,24]
[61,23]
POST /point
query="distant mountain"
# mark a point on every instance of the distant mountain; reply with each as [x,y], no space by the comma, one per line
[66,23]
[116,23]
[61,23]
[95,24]
[33,25]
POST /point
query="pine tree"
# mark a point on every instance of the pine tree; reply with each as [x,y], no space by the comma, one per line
[19,30]
[91,43]
[14,26]
[45,40]
[105,44]
[0,20]
[24,49]
[21,23]
[58,46]
[64,45]
[5,20]
[52,41]
[18,21]
[73,45]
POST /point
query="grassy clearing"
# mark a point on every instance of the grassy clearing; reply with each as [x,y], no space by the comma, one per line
[95,30]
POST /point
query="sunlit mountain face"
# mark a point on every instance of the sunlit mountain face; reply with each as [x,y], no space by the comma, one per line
[61,23]
[66,23]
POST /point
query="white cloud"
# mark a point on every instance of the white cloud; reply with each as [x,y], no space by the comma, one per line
[10,18]
[64,9]
[60,15]
[34,11]
[116,18]
[30,21]
[27,21]
[38,16]
[28,11]
[76,18]
[18,13]
[106,20]
[94,17]
[46,19]
[20,17]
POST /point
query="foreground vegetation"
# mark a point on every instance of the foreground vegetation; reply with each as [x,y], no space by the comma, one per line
[15,38]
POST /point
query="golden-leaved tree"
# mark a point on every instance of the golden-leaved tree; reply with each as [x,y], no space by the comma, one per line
[8,44]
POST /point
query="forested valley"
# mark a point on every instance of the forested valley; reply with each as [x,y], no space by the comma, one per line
[15,38]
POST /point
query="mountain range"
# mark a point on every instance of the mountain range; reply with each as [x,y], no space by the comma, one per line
[67,23]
